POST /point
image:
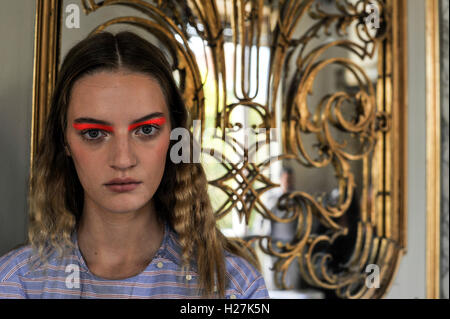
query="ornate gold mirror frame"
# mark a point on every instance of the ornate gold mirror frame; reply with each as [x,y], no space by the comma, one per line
[377,121]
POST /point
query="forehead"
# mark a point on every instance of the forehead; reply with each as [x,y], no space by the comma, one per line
[116,95]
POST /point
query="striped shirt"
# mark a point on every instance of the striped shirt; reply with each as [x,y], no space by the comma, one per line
[70,277]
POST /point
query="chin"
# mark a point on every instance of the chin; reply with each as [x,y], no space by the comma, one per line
[125,205]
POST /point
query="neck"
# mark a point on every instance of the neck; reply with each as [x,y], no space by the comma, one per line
[114,243]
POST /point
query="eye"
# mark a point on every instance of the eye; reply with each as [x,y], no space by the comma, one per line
[147,130]
[92,134]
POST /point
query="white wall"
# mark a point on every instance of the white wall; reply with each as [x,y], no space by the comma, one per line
[444,26]
[16,80]
[411,276]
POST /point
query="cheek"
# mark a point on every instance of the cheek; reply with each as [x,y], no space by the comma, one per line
[155,157]
[86,165]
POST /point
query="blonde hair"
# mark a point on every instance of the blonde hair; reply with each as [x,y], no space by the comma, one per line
[56,195]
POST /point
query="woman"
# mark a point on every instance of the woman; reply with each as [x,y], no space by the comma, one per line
[111,216]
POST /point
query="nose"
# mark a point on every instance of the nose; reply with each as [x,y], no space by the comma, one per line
[122,153]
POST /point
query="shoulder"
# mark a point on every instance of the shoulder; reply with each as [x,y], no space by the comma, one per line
[14,264]
[245,280]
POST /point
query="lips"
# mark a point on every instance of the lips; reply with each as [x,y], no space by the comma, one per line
[122,184]
[125,180]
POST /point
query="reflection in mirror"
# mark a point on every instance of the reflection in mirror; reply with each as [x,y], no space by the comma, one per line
[292,102]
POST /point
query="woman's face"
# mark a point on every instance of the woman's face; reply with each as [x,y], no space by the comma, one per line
[118,127]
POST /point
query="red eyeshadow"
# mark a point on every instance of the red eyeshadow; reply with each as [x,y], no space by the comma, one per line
[157,121]
[89,126]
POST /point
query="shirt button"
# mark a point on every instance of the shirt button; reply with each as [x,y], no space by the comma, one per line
[159,265]
[188,277]
[233,297]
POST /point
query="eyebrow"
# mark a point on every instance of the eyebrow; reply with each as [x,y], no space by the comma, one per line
[159,121]
[157,116]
